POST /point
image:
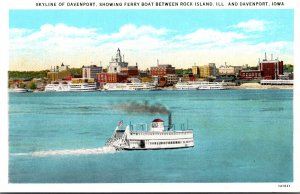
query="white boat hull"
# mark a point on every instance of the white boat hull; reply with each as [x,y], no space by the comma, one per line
[70,87]
[199,85]
[144,140]
[127,86]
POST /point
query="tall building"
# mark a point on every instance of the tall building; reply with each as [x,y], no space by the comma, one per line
[209,70]
[117,64]
[271,69]
[195,70]
[90,71]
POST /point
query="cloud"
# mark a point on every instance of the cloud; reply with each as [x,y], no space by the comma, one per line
[53,44]
[210,36]
[15,32]
[251,26]
[132,31]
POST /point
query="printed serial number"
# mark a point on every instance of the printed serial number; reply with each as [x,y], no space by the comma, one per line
[284,185]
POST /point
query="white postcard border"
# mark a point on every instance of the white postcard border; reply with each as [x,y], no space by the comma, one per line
[128,187]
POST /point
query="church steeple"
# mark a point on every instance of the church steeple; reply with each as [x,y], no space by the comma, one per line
[118,56]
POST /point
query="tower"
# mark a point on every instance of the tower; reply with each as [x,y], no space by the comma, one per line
[118,56]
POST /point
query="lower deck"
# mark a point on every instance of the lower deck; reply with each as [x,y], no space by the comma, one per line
[160,144]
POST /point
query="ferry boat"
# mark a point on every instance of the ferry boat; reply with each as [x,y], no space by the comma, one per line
[57,87]
[19,90]
[151,137]
[210,86]
[70,87]
[83,87]
[199,85]
[127,86]
[186,86]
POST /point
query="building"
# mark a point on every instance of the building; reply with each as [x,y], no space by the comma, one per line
[90,71]
[82,80]
[206,71]
[171,79]
[250,74]
[195,70]
[271,69]
[52,76]
[57,68]
[57,76]
[117,64]
[103,78]
[162,70]
[163,74]
[58,73]
[131,71]
[187,77]
[229,70]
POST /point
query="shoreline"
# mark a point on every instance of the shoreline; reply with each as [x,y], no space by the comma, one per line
[258,86]
[245,86]
[248,86]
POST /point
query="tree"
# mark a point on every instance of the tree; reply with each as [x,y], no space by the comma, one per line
[288,68]
[32,85]
[75,71]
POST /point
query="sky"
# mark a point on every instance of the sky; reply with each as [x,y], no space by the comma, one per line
[40,39]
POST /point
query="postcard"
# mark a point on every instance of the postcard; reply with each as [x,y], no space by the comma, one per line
[169,96]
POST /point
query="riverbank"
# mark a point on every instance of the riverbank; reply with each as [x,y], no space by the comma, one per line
[246,86]
[259,86]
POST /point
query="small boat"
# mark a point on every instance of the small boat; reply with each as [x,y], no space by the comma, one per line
[151,137]
[19,90]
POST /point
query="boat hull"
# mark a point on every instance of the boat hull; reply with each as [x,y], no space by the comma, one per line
[166,148]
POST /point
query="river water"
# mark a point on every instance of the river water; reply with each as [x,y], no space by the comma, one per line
[240,136]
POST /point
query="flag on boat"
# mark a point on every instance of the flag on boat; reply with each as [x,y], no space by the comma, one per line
[120,123]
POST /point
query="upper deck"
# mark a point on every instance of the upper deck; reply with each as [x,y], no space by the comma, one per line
[147,135]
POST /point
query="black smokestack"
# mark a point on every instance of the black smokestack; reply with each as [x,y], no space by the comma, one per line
[170,121]
[143,107]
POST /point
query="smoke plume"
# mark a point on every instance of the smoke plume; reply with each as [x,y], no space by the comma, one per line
[145,107]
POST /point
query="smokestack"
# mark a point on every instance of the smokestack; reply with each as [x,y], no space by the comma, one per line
[170,121]
[265,56]
[271,57]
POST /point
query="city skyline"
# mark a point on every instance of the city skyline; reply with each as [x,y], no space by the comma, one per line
[182,38]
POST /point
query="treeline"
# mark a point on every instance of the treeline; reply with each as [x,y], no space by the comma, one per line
[75,71]
[27,75]
[183,71]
